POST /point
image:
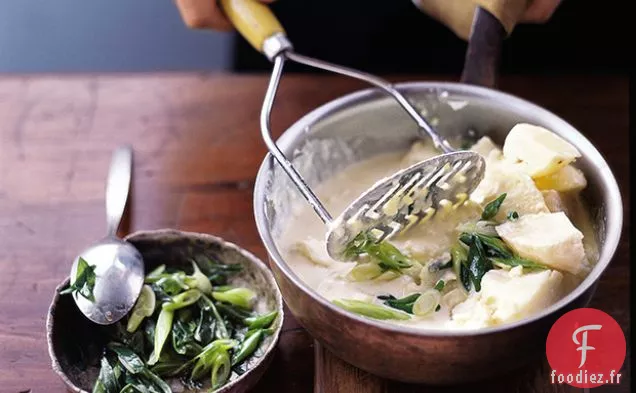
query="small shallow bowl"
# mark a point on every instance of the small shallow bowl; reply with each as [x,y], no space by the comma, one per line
[73,340]
[366,123]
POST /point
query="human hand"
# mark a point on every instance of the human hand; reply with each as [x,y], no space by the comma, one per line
[539,11]
[205,14]
[458,14]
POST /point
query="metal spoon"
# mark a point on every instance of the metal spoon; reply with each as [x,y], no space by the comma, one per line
[119,267]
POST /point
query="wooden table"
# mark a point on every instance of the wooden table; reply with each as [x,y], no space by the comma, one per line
[197,146]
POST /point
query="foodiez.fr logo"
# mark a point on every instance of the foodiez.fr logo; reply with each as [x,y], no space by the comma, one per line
[585,349]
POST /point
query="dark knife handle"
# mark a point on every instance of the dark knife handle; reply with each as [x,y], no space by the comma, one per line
[484,50]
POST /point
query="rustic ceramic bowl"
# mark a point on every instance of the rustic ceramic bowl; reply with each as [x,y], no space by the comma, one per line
[73,340]
[366,123]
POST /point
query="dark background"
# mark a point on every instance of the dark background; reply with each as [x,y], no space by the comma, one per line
[386,36]
[583,36]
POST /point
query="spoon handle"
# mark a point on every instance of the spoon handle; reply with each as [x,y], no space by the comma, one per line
[117,187]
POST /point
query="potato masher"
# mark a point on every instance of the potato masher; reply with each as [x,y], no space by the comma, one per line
[393,204]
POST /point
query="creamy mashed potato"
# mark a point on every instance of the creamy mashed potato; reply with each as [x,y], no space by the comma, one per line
[534,169]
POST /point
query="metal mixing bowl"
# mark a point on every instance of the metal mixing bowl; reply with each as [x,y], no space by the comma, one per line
[366,123]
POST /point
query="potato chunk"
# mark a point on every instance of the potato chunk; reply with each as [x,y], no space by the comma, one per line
[508,296]
[514,297]
[554,201]
[565,179]
[546,238]
[315,251]
[522,194]
[540,151]
[484,146]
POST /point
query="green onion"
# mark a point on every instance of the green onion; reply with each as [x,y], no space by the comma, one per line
[155,275]
[162,330]
[248,347]
[515,261]
[240,297]
[365,271]
[261,321]
[144,307]
[182,300]
[386,254]
[405,304]
[492,208]
[426,303]
[370,310]
[200,280]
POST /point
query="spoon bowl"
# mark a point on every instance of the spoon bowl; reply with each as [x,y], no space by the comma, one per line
[120,271]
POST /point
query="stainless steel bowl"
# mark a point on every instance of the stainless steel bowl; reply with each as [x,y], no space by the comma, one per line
[365,123]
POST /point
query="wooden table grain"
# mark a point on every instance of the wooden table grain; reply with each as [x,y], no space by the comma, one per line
[197,150]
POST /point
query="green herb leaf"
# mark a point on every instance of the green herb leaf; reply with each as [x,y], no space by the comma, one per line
[247,347]
[516,261]
[370,310]
[386,254]
[492,208]
[439,285]
[493,246]
[221,331]
[204,333]
[108,378]
[478,264]
[405,304]
[84,282]
[261,321]
[169,285]
[233,313]
[438,308]
[183,340]
[131,362]
[217,273]
[513,216]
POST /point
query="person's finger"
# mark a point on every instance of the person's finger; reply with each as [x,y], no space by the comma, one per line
[540,11]
[203,14]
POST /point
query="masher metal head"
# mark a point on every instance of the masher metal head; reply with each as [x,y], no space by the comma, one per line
[407,198]
[393,204]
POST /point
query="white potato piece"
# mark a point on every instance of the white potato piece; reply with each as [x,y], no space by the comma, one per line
[513,297]
[565,179]
[314,250]
[540,151]
[472,314]
[485,146]
[420,151]
[508,296]
[554,201]
[522,194]
[547,238]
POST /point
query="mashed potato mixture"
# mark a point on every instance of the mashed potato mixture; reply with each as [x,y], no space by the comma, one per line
[519,243]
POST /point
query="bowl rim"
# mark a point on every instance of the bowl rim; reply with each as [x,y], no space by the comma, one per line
[55,364]
[613,211]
